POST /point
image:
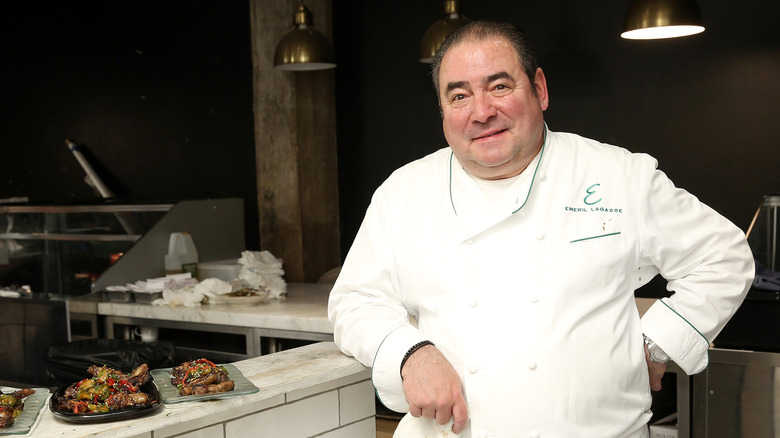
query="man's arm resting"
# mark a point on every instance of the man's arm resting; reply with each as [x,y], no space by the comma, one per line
[432,387]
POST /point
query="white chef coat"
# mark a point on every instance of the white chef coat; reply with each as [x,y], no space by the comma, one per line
[531,298]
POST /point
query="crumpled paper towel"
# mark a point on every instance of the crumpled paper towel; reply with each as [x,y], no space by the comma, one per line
[175,281]
[191,295]
[261,270]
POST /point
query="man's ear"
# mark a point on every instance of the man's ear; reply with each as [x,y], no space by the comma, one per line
[540,85]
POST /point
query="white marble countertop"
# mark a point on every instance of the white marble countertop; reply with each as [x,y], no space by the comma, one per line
[305,309]
[299,371]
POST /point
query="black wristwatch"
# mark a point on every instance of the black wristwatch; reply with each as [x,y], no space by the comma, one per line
[656,353]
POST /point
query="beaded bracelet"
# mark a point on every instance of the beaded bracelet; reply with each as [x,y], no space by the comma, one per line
[411,351]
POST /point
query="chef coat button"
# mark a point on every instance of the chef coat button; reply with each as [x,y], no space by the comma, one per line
[533,299]
[473,303]
[533,434]
[531,366]
[469,241]
[540,236]
[542,176]
[482,434]
[473,369]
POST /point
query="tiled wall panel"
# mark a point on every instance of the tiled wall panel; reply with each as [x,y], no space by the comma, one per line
[304,418]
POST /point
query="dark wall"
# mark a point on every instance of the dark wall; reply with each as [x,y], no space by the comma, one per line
[159,94]
[705,106]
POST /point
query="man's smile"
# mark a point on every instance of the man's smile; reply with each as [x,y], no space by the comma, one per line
[490,134]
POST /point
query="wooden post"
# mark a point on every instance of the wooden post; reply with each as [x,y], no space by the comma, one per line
[295,143]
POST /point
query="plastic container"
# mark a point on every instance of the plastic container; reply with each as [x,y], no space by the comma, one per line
[225,270]
[146,297]
[182,255]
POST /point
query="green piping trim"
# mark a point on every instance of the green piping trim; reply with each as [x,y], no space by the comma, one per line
[689,323]
[377,353]
[452,201]
[539,163]
[594,237]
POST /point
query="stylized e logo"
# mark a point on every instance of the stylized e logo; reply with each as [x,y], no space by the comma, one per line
[590,191]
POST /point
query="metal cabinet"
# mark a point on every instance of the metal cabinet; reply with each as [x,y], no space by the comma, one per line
[738,395]
[29,327]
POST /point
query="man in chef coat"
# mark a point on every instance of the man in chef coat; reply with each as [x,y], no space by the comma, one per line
[491,284]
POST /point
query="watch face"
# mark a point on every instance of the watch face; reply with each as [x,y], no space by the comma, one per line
[658,355]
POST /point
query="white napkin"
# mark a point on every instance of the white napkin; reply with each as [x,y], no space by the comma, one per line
[179,297]
[261,270]
[177,290]
[9,294]
[211,287]
[414,427]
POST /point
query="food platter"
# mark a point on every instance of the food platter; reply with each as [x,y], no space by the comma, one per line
[32,406]
[170,393]
[249,300]
[100,417]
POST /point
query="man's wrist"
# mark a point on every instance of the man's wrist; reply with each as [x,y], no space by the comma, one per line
[411,351]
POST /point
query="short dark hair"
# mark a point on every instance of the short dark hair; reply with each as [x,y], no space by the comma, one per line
[481,30]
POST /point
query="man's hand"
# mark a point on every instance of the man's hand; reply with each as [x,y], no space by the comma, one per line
[656,370]
[432,388]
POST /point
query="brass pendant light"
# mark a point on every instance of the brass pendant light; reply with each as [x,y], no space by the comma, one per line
[655,19]
[303,48]
[439,30]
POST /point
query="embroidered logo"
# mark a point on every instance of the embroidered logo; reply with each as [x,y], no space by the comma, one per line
[593,197]
[590,192]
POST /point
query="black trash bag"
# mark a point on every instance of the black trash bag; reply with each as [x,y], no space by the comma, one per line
[68,363]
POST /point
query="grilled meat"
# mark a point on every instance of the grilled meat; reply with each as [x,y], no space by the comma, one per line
[11,405]
[200,376]
[107,390]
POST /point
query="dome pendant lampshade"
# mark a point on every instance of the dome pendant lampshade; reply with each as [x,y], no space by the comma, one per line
[655,19]
[439,30]
[303,48]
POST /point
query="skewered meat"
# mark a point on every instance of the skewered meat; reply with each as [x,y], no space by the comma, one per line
[200,376]
[107,390]
[11,405]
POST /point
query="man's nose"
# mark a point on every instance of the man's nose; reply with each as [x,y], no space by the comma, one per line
[483,107]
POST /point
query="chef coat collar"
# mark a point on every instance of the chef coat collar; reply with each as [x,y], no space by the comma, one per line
[470,196]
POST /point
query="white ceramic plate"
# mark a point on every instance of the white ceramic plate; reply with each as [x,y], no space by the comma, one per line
[241,301]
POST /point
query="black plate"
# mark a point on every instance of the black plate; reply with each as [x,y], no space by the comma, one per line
[120,414]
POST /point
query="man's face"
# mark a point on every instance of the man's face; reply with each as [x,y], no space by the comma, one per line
[492,118]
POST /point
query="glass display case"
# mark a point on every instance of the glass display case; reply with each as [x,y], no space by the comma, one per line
[63,250]
[70,250]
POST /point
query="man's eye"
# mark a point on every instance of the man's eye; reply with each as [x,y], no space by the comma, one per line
[458,100]
[502,89]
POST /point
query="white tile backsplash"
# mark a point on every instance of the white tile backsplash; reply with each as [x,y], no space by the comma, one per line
[304,418]
[325,386]
[357,402]
[361,429]
[214,431]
